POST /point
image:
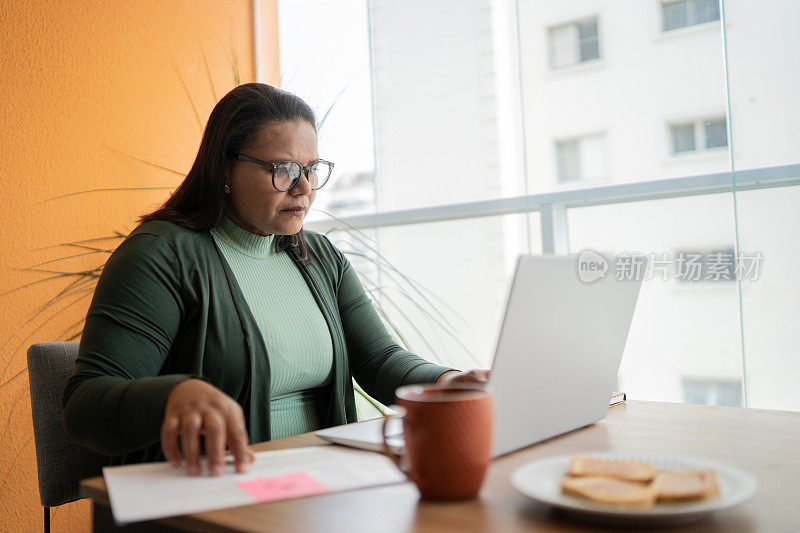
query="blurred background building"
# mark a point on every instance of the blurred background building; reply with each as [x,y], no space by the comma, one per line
[638,103]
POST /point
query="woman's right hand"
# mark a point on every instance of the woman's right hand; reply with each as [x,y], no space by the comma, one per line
[194,408]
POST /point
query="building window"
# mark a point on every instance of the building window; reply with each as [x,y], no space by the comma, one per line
[568,157]
[712,391]
[574,43]
[698,135]
[682,138]
[581,158]
[716,133]
[682,13]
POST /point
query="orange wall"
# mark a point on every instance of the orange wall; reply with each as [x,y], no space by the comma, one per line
[89,89]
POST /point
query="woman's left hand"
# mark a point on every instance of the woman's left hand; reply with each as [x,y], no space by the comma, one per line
[454,378]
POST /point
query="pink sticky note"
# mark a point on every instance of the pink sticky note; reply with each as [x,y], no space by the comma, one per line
[282,487]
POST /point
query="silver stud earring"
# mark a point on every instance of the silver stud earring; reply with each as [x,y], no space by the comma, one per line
[227,189]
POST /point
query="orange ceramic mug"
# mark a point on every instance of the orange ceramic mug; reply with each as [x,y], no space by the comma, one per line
[448,439]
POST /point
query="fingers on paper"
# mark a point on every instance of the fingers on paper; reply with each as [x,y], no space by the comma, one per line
[214,431]
[238,440]
[169,441]
[190,442]
[202,419]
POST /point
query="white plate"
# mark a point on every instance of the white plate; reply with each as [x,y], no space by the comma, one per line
[541,480]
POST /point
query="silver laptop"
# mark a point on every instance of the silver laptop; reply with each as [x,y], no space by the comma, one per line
[558,353]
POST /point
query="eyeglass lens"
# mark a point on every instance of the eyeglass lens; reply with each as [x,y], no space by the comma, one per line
[288,172]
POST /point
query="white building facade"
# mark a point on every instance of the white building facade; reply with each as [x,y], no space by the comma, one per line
[606,92]
[478,100]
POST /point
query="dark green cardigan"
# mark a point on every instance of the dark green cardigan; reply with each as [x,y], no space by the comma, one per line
[167,307]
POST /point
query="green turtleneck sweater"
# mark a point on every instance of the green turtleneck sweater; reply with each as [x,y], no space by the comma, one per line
[168,308]
[298,342]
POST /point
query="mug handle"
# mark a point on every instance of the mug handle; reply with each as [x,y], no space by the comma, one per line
[387,451]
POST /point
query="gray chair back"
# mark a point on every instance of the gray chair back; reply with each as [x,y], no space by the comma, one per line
[61,462]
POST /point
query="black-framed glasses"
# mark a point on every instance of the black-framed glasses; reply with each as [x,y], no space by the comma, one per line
[286,174]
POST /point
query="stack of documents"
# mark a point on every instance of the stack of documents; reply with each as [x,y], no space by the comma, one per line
[157,490]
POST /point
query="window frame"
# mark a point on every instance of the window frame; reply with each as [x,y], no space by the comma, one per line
[691,15]
[580,139]
[700,141]
[575,23]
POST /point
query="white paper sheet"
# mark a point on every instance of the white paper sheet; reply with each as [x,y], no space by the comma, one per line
[150,491]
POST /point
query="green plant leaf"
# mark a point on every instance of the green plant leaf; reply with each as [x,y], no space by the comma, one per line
[115,189]
[62,259]
[208,72]
[40,326]
[188,95]
[369,399]
[384,262]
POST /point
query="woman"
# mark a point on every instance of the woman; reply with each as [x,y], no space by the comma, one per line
[218,316]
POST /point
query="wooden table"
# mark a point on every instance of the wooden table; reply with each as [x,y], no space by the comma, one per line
[766,443]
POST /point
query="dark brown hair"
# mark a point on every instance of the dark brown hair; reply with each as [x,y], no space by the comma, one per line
[198,203]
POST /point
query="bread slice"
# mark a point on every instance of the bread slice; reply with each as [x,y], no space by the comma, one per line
[625,470]
[686,486]
[611,491]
